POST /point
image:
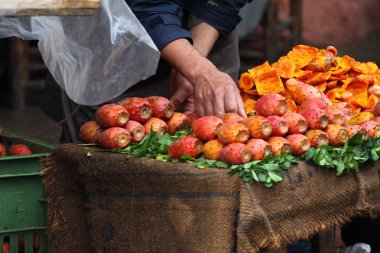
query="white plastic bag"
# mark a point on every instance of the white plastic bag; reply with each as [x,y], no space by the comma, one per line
[93,58]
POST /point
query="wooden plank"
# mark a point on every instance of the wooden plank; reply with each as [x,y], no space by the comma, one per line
[48,7]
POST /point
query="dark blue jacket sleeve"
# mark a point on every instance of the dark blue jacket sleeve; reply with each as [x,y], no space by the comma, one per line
[162,19]
[223,15]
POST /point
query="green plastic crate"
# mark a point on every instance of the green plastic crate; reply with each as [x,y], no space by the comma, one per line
[23,207]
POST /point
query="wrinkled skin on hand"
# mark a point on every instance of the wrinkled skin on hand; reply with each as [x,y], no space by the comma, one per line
[214,94]
[182,93]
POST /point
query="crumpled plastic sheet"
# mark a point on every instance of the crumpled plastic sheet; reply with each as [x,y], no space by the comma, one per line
[93,58]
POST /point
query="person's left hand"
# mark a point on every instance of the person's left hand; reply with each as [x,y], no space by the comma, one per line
[181,91]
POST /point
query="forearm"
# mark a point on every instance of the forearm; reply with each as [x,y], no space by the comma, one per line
[186,59]
[204,38]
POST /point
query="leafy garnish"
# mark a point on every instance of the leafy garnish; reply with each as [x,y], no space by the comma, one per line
[267,171]
[347,157]
[153,145]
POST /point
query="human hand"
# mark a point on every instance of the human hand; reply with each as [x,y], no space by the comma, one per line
[180,88]
[215,93]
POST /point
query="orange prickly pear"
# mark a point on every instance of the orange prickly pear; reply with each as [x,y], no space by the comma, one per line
[279,145]
[112,115]
[317,137]
[212,150]
[259,127]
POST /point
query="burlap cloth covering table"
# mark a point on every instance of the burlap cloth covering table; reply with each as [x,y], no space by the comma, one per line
[108,203]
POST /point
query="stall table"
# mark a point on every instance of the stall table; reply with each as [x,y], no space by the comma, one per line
[105,202]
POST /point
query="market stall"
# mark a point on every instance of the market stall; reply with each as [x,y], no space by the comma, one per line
[106,202]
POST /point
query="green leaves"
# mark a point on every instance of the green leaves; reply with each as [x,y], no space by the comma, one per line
[267,171]
[153,145]
[347,158]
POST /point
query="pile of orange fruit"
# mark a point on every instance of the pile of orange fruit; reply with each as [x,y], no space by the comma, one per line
[341,78]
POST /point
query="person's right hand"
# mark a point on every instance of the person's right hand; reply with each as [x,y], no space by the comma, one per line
[215,93]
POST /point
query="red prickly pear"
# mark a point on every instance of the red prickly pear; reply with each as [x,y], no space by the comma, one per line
[139,109]
[19,149]
[3,150]
[296,122]
[205,128]
[136,130]
[192,117]
[354,129]
[271,104]
[236,153]
[112,115]
[372,128]
[259,148]
[313,103]
[315,118]
[89,131]
[299,143]
[161,106]
[337,116]
[114,137]
[187,145]
[279,126]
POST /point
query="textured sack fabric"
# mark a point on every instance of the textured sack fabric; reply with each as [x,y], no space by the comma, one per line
[107,203]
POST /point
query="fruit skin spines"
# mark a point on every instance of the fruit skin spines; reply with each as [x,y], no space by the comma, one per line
[279,126]
[187,145]
[136,130]
[162,107]
[231,133]
[112,115]
[229,118]
[139,109]
[114,137]
[296,122]
[299,143]
[157,124]
[259,149]
[19,149]
[337,134]
[205,127]
[212,150]
[317,137]
[372,128]
[271,104]
[177,122]
[259,127]
[315,118]
[354,129]
[279,145]
[236,153]
[89,131]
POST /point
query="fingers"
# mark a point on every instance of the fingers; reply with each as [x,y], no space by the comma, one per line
[230,103]
[240,106]
[179,97]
